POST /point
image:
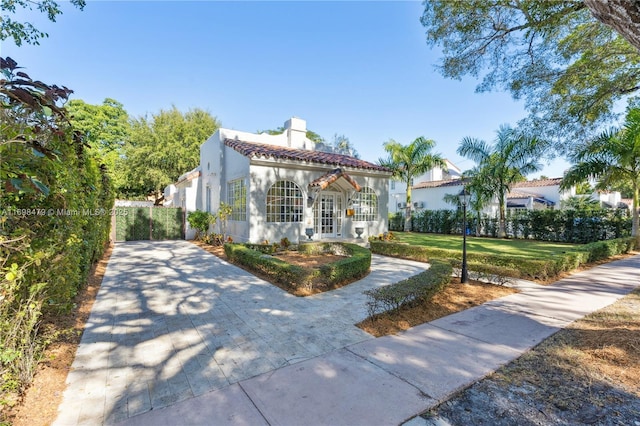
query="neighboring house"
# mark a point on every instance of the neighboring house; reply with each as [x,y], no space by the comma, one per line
[431,195]
[538,194]
[278,186]
[534,194]
[398,190]
[612,199]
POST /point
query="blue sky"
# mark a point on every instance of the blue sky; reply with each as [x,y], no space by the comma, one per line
[362,69]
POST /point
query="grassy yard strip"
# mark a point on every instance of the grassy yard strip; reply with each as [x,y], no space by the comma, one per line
[497,256]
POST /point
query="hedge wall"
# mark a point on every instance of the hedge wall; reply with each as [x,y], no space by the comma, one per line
[55,206]
[571,226]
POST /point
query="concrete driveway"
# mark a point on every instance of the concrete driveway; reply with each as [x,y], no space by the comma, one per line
[172,322]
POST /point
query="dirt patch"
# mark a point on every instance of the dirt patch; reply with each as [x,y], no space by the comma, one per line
[39,404]
[454,298]
[588,373]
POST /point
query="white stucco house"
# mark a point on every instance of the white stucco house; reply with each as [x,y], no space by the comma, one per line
[278,186]
[398,190]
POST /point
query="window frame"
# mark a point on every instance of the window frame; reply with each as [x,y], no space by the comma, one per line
[286,206]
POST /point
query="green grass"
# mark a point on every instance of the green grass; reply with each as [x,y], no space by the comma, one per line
[522,248]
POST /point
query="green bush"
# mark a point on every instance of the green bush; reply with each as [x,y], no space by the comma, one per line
[278,270]
[420,287]
[262,248]
[200,221]
[355,265]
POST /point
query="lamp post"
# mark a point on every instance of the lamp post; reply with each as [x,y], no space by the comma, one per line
[464,198]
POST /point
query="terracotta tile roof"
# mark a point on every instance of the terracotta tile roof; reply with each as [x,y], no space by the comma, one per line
[252,150]
[518,194]
[327,179]
[439,183]
[538,183]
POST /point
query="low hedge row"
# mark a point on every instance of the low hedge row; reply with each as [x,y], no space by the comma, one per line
[420,287]
[512,266]
[277,269]
[355,265]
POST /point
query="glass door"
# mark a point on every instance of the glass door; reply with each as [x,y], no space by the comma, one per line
[328,215]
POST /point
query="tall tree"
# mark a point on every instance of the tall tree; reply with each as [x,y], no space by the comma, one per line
[512,156]
[409,161]
[570,69]
[104,127]
[161,148]
[26,32]
[611,158]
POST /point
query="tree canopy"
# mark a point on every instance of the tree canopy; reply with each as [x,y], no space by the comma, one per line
[161,148]
[26,32]
[104,128]
[570,69]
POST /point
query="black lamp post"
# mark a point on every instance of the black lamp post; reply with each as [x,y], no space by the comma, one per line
[464,198]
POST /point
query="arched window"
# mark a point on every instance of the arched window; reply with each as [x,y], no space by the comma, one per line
[284,202]
[365,204]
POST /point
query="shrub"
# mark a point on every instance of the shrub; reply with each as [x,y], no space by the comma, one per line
[420,287]
[285,243]
[264,248]
[276,269]
[356,263]
[200,221]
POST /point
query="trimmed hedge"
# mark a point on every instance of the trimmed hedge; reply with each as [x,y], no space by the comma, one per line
[511,266]
[356,263]
[355,266]
[571,226]
[420,287]
[277,269]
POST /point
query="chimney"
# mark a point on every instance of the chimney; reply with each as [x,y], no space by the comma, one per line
[296,130]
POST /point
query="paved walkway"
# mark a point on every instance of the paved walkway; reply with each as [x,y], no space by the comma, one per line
[179,337]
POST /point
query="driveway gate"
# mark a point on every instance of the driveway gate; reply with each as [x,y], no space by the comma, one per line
[147,223]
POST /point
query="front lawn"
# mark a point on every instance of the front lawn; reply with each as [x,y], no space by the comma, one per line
[482,245]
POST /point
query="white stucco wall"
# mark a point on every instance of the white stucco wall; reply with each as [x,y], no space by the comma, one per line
[263,176]
[433,198]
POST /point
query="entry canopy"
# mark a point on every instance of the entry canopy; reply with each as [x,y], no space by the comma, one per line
[327,179]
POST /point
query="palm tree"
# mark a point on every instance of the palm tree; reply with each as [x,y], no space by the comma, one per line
[611,158]
[407,162]
[512,156]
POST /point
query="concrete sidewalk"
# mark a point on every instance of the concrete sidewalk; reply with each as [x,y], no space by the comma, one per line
[391,379]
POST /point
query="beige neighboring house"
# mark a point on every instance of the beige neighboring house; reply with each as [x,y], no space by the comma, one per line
[278,186]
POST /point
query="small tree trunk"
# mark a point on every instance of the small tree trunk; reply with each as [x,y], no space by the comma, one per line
[635,221]
[407,219]
[502,232]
